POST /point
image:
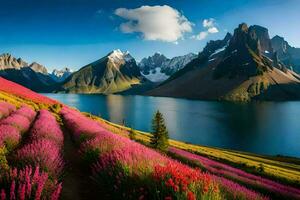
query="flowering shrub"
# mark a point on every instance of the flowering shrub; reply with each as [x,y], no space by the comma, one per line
[181,182]
[235,191]
[28,184]
[9,137]
[240,175]
[46,127]
[21,119]
[43,153]
[26,112]
[20,122]
[82,127]
[6,109]
[20,91]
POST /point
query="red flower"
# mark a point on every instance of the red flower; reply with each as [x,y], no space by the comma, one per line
[191,196]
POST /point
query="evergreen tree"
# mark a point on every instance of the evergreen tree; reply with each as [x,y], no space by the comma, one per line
[132,134]
[160,136]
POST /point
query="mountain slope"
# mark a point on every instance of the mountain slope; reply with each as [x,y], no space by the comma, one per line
[33,76]
[289,55]
[238,72]
[113,73]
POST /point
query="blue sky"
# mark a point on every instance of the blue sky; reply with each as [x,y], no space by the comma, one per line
[59,33]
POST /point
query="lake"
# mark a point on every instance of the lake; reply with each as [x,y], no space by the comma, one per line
[269,128]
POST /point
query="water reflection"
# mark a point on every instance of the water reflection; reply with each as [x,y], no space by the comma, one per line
[268,128]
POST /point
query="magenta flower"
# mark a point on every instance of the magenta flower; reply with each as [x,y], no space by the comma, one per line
[24,184]
[224,170]
[127,166]
[46,127]
[43,153]
[9,136]
[18,121]
[6,109]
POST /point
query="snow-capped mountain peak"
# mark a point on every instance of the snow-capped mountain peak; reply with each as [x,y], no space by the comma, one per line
[61,75]
[119,56]
[158,67]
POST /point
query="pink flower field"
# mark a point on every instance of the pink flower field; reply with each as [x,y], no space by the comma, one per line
[33,163]
[240,175]
[138,172]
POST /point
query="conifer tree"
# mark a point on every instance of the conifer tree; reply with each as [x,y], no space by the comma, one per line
[160,136]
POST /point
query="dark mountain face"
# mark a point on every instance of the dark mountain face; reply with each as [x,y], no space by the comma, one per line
[289,55]
[27,77]
[244,54]
[239,71]
[262,34]
[152,62]
[113,73]
[212,49]
[33,76]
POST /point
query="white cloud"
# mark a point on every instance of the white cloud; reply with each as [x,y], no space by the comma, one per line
[210,26]
[201,36]
[162,23]
[207,23]
[213,30]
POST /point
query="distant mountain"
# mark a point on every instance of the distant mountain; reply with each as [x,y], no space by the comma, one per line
[60,75]
[289,55]
[238,68]
[7,61]
[113,73]
[158,67]
[33,76]
[38,68]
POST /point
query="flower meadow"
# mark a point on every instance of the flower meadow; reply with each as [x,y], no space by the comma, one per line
[44,146]
[240,175]
[35,159]
[130,170]
[21,119]
[25,93]
[32,163]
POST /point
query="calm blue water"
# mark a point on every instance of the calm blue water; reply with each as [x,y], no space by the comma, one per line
[267,128]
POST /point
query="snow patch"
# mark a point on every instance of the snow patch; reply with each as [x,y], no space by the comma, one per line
[156,75]
[234,51]
[118,56]
[218,51]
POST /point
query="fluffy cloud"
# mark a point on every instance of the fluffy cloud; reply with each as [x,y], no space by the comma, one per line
[162,23]
[201,36]
[207,23]
[210,26]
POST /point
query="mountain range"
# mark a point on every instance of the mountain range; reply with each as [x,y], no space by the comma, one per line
[242,66]
[33,76]
[159,68]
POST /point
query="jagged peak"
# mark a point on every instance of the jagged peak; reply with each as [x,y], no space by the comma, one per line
[117,55]
[243,27]
[278,37]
